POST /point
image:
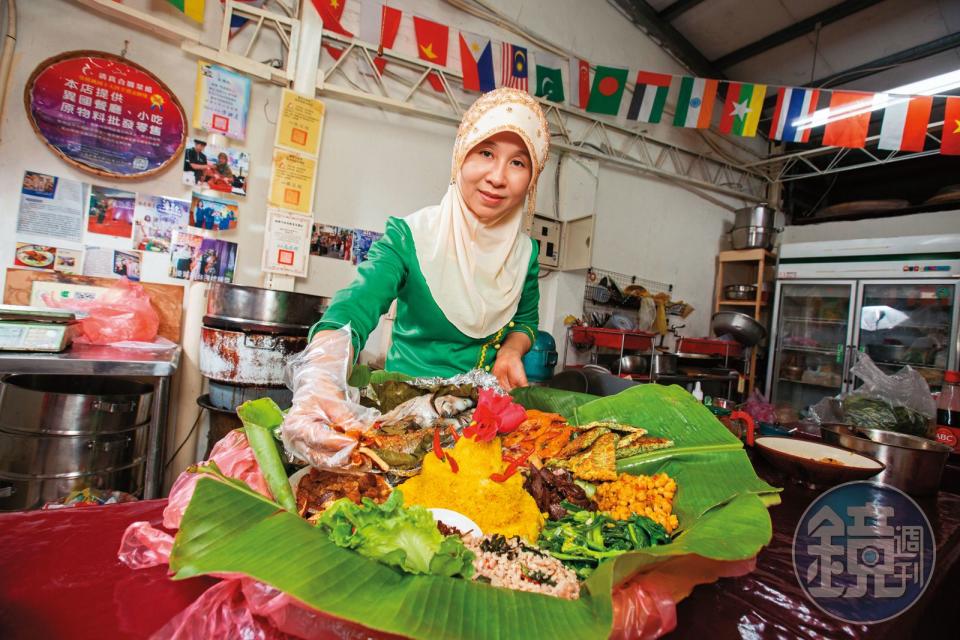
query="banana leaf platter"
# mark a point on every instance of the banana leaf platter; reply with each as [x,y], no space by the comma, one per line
[720,502]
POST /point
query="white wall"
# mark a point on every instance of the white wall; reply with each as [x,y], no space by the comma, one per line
[375,164]
[920,224]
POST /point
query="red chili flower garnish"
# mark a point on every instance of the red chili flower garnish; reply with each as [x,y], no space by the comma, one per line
[437,449]
[453,464]
[453,432]
[495,414]
[511,469]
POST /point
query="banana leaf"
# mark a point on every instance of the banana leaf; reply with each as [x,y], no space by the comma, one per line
[720,502]
[551,400]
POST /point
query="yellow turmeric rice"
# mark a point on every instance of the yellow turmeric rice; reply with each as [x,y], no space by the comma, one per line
[496,507]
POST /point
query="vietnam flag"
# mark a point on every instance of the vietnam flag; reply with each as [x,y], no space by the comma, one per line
[432,40]
[848,119]
[950,137]
[905,120]
[331,12]
[379,25]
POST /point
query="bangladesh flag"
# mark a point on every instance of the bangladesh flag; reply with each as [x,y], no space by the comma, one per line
[607,91]
[549,77]
[695,103]
[741,108]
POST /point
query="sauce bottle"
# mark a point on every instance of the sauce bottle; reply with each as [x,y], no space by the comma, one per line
[948,411]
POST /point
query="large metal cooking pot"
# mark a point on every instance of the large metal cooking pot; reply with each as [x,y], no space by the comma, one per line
[664,364]
[231,306]
[751,237]
[742,327]
[913,464]
[238,357]
[761,215]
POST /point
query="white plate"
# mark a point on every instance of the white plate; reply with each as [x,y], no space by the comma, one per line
[456,520]
[816,452]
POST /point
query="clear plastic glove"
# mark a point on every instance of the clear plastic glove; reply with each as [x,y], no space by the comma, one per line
[324,425]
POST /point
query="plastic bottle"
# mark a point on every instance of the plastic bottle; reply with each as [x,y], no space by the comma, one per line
[698,392]
[948,411]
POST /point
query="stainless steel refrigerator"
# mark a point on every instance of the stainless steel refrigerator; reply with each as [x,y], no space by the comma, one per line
[895,299]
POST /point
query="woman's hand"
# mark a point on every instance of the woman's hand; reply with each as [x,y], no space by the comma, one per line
[508,367]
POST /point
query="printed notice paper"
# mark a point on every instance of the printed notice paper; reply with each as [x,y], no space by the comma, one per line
[50,207]
[286,247]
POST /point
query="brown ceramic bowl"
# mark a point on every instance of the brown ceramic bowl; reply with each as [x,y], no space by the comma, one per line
[816,464]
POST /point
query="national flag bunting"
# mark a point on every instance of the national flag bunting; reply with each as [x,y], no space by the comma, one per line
[238,22]
[848,119]
[793,104]
[432,38]
[695,103]
[741,108]
[549,77]
[579,82]
[515,67]
[190,8]
[607,91]
[476,61]
[331,13]
[950,136]
[379,25]
[649,97]
[905,119]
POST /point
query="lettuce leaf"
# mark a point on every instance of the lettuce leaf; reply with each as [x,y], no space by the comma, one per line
[406,538]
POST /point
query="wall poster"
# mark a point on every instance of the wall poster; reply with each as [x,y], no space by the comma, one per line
[222,102]
[105,115]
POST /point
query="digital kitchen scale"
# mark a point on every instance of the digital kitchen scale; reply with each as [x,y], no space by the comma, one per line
[36,329]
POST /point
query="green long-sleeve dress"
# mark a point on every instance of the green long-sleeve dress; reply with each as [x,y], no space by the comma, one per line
[425,343]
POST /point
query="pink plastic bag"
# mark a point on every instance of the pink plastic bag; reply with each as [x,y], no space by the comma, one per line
[144,546]
[234,458]
[122,314]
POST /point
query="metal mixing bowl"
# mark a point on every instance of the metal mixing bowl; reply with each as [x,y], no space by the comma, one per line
[742,327]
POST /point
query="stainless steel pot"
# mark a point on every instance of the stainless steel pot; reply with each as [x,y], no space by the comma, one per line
[751,237]
[68,405]
[740,292]
[761,215]
[914,464]
[742,327]
[231,306]
[664,364]
[236,357]
[634,364]
[42,456]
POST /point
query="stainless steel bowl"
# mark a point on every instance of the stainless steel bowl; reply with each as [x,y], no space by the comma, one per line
[913,464]
[634,364]
[239,308]
[742,327]
[740,292]
[888,352]
[751,237]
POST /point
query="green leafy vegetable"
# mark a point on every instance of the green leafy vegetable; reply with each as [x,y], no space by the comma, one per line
[583,539]
[260,417]
[406,538]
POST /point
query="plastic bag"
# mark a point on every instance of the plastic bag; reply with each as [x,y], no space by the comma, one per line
[759,409]
[234,458]
[143,546]
[899,401]
[326,420]
[122,313]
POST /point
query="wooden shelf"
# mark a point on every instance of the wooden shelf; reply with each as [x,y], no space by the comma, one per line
[741,303]
[747,255]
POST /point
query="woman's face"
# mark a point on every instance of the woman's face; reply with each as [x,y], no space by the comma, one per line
[495,175]
[222,158]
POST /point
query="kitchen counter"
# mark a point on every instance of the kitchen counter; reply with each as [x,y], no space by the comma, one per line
[100,360]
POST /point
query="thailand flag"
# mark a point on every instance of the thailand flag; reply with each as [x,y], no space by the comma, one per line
[793,104]
[476,59]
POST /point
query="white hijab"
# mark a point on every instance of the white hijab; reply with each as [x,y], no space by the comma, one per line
[476,271]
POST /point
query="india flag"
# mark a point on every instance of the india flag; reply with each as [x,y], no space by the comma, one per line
[649,97]
[695,103]
[192,8]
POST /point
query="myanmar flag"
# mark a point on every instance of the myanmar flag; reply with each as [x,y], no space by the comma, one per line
[549,77]
[848,119]
[192,8]
[741,109]
[905,119]
[432,38]
[950,138]
[607,91]
[649,97]
[695,103]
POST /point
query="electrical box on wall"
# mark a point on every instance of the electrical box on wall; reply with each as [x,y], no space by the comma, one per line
[546,231]
[564,244]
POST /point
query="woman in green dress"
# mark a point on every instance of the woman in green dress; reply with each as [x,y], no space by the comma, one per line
[463,273]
